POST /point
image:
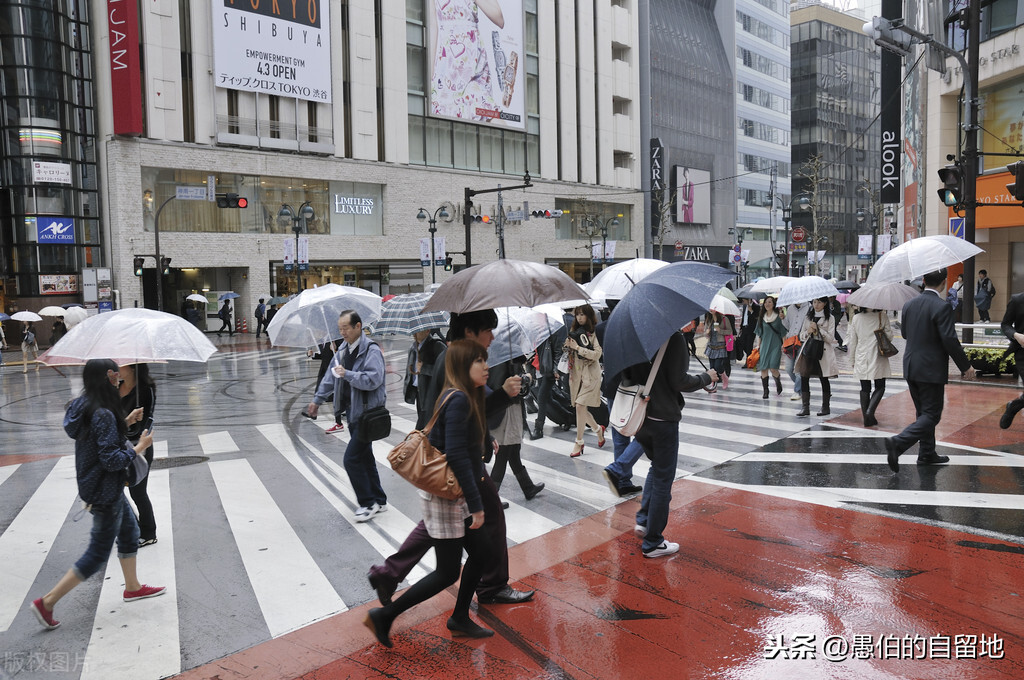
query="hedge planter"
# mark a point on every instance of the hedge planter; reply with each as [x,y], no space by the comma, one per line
[991,361]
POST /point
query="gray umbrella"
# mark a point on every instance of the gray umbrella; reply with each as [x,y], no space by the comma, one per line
[505,283]
[657,307]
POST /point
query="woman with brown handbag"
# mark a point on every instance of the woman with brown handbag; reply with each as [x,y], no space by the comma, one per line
[868,364]
[460,432]
[820,327]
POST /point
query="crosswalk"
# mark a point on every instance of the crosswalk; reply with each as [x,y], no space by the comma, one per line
[259,538]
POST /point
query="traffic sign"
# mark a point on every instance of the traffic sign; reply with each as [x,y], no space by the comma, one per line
[799,234]
[190,193]
[956,226]
[737,248]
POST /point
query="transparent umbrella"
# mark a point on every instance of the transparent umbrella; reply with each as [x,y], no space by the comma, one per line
[920,256]
[311,318]
[196,297]
[724,305]
[75,315]
[26,316]
[891,296]
[520,330]
[804,289]
[52,310]
[614,282]
[771,285]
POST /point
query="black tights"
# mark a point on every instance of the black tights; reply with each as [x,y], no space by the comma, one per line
[865,385]
[509,454]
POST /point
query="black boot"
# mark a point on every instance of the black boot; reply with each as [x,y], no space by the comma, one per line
[778,385]
[764,384]
[865,399]
[876,398]
[537,432]
[497,473]
[1012,408]
[826,397]
[805,398]
[526,484]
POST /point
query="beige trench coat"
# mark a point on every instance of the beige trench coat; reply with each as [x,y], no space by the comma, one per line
[868,364]
[827,332]
[585,374]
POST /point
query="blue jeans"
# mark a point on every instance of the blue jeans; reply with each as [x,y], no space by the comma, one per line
[793,375]
[660,441]
[627,453]
[362,469]
[109,522]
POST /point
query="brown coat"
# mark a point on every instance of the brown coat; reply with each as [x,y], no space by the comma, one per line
[585,374]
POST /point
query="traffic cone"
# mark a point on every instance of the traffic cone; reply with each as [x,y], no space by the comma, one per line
[245,326]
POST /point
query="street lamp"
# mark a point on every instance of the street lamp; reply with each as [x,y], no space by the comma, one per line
[803,202]
[587,226]
[441,212]
[285,215]
[861,216]
[738,233]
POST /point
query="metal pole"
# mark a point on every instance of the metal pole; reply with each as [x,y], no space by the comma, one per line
[298,275]
[874,238]
[432,230]
[159,264]
[971,155]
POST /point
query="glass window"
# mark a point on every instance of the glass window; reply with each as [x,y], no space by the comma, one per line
[439,142]
[414,66]
[466,147]
[417,140]
[490,150]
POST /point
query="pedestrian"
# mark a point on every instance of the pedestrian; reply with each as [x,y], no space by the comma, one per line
[794,318]
[102,453]
[493,588]
[820,325]
[619,474]
[770,330]
[750,314]
[659,437]
[28,344]
[956,291]
[983,296]
[3,343]
[690,333]
[427,348]
[719,329]
[869,366]
[546,376]
[837,314]
[584,374]
[138,390]
[57,331]
[1013,329]
[508,432]
[927,326]
[453,525]
[225,317]
[261,317]
[356,378]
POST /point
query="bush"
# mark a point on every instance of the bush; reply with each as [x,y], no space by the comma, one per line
[992,361]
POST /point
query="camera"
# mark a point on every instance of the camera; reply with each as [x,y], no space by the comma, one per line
[527,383]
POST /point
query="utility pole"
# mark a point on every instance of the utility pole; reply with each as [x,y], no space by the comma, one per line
[467,217]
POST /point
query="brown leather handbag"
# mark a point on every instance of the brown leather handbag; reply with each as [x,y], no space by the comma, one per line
[417,461]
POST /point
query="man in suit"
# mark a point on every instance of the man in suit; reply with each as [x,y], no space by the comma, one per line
[1013,328]
[931,341]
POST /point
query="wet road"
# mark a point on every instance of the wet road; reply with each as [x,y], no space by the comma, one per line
[787,526]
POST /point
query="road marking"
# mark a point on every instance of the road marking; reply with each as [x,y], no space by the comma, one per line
[160,449]
[291,589]
[139,639]
[855,459]
[217,442]
[30,536]
[6,471]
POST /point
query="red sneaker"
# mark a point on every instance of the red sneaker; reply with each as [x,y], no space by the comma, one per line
[45,617]
[144,592]
[335,428]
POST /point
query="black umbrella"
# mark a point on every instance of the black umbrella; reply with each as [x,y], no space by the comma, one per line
[744,292]
[847,285]
[657,307]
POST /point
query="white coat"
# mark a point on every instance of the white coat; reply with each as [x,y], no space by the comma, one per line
[868,364]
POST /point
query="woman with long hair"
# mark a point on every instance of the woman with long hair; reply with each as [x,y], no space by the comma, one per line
[868,365]
[819,324]
[584,373]
[770,330]
[460,432]
[138,390]
[102,454]
[718,327]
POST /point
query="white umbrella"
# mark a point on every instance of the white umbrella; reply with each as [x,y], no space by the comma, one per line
[724,305]
[135,335]
[804,289]
[52,310]
[771,285]
[196,297]
[75,315]
[520,330]
[727,293]
[891,295]
[311,318]
[614,282]
[26,316]
[920,256]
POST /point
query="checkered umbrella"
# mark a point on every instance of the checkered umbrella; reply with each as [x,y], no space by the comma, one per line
[403,314]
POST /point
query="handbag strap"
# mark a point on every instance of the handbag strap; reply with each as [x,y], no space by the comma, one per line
[433,418]
[654,370]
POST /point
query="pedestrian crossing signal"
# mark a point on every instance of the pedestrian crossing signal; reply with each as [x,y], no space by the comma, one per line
[1017,188]
[952,191]
[448,263]
[137,264]
[165,265]
[232,201]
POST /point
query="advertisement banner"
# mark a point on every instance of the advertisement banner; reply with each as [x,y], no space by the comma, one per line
[125,74]
[56,173]
[693,195]
[281,48]
[864,247]
[289,254]
[60,230]
[303,253]
[891,160]
[58,284]
[477,63]
[440,252]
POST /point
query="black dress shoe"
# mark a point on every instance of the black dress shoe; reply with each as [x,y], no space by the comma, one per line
[467,628]
[932,459]
[536,434]
[384,590]
[377,622]
[615,483]
[629,490]
[1012,407]
[892,456]
[507,595]
[504,505]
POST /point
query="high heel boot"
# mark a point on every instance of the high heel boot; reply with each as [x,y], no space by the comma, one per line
[865,400]
[526,484]
[764,384]
[805,398]
[826,397]
[876,398]
[778,385]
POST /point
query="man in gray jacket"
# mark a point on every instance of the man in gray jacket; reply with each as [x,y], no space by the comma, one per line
[356,378]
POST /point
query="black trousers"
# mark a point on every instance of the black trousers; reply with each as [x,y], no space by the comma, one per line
[543,393]
[928,400]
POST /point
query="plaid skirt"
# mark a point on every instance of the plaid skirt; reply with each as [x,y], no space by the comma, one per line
[444,518]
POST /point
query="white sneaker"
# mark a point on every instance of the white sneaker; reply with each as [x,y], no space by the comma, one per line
[666,548]
[639,531]
[366,514]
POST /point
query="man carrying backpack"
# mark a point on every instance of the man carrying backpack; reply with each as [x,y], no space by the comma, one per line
[261,317]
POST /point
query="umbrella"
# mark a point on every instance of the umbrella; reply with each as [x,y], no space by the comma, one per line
[75,315]
[196,297]
[724,305]
[279,299]
[771,285]
[891,295]
[727,293]
[504,283]
[26,316]
[52,310]
[4,317]
[847,285]
[135,335]
[311,318]
[656,308]
[920,256]
[804,289]
[402,314]
[746,292]
[617,280]
[69,305]
[230,295]
[520,330]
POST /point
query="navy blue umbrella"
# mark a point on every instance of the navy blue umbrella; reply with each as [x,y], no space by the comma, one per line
[658,306]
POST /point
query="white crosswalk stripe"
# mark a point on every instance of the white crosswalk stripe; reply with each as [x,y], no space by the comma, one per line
[213,443]
[6,471]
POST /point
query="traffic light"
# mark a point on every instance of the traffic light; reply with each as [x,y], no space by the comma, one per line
[486,219]
[165,265]
[886,35]
[548,214]
[952,191]
[448,263]
[1017,188]
[232,201]
[137,263]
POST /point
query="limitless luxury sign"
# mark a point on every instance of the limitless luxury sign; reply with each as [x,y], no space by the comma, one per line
[125,78]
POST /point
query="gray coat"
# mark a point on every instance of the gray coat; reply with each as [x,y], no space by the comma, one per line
[365,377]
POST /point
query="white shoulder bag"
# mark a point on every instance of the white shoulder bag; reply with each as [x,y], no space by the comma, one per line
[629,407]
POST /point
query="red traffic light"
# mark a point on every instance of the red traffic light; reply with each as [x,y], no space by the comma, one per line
[243,202]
